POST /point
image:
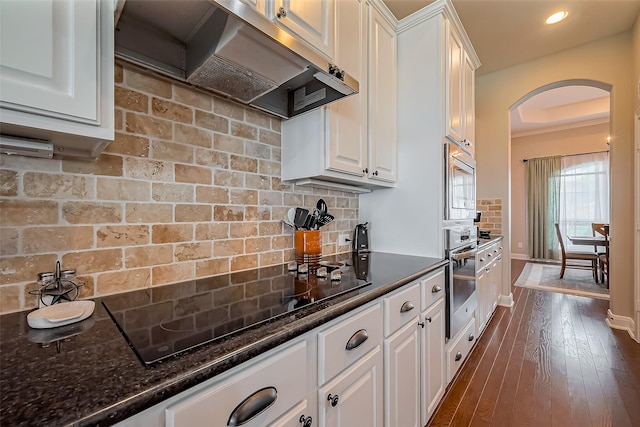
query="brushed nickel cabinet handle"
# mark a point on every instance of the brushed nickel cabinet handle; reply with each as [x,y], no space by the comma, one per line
[458,356]
[357,339]
[282,13]
[407,306]
[253,406]
[435,289]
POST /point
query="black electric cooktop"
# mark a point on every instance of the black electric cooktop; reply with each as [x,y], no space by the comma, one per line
[163,321]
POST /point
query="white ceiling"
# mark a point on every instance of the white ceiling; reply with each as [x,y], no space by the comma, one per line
[505,33]
[560,108]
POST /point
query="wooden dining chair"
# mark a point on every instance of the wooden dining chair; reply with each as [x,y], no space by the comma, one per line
[569,257]
[602,229]
[603,259]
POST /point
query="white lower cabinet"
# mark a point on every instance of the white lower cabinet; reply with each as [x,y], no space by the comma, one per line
[345,342]
[298,416]
[402,357]
[354,398]
[402,377]
[254,397]
[488,283]
[381,364]
[350,370]
[458,350]
[433,379]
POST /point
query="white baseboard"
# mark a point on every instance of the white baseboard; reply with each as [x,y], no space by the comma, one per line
[506,301]
[621,322]
[523,257]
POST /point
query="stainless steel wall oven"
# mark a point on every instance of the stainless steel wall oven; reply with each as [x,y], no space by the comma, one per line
[460,237]
[461,295]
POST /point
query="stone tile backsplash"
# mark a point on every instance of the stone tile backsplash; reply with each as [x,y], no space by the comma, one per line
[189,188]
[491,215]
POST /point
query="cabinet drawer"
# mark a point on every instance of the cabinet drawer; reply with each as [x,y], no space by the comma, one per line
[459,350]
[281,376]
[400,308]
[361,332]
[433,288]
[497,249]
[481,260]
[491,253]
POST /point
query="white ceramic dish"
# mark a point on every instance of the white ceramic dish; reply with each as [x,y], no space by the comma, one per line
[60,314]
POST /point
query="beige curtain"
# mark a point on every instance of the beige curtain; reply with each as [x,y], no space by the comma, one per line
[543,207]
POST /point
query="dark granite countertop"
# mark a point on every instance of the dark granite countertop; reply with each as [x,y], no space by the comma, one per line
[86,374]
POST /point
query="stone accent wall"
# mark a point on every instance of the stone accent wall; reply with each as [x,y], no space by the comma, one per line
[189,188]
[491,215]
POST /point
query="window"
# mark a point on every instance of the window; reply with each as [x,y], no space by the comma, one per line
[584,194]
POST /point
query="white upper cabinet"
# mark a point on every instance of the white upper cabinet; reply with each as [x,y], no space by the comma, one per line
[311,20]
[460,101]
[259,5]
[382,99]
[351,141]
[423,125]
[56,73]
[469,91]
[454,106]
[347,118]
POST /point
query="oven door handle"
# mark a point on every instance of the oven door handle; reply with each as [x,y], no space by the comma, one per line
[462,165]
[463,255]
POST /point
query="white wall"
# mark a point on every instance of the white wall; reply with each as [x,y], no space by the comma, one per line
[608,61]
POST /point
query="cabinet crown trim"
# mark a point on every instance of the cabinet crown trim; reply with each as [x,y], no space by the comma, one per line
[441,7]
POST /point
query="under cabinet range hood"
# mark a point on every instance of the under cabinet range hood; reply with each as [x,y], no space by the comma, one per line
[227,47]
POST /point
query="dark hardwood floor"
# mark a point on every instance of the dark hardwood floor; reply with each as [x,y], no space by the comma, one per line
[551,360]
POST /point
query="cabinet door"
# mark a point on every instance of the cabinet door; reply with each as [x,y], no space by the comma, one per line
[497,280]
[482,285]
[433,359]
[455,55]
[258,5]
[402,377]
[359,395]
[293,417]
[469,135]
[347,118]
[382,99]
[311,20]
[47,71]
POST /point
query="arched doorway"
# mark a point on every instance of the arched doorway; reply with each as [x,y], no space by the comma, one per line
[570,119]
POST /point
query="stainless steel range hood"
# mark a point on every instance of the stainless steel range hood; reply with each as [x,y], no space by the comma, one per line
[227,47]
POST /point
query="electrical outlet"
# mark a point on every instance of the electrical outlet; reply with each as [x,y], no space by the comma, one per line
[343,240]
[519,245]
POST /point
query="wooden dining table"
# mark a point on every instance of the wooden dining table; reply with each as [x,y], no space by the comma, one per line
[589,240]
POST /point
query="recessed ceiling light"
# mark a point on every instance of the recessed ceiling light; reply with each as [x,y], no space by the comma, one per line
[557,17]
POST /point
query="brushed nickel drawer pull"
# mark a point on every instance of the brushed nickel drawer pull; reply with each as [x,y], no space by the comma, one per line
[253,406]
[407,306]
[357,339]
[435,289]
[458,356]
